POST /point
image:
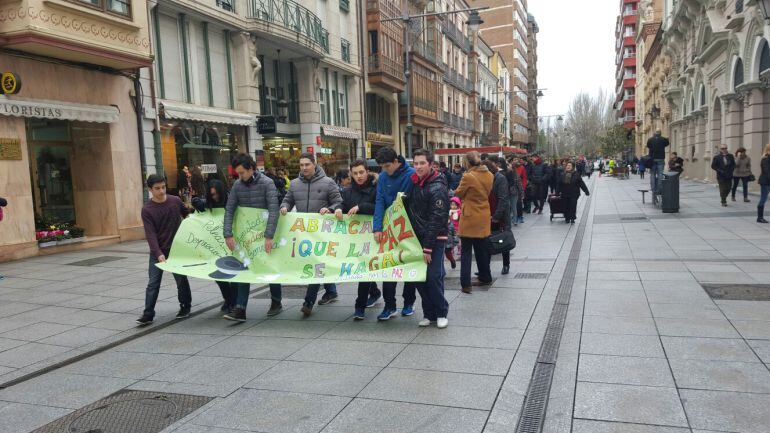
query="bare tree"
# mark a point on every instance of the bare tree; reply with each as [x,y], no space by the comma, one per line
[588,119]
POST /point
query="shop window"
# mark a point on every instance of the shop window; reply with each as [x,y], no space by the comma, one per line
[322,101]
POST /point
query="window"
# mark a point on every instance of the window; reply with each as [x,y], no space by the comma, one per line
[738,73]
[702,95]
[345,5]
[225,4]
[117,7]
[345,50]
[764,57]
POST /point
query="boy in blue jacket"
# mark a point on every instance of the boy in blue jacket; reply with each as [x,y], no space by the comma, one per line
[396,177]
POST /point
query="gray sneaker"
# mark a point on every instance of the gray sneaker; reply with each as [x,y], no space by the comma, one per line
[275,308]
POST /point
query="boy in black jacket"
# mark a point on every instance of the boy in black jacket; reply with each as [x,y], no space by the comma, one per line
[358,198]
[428,209]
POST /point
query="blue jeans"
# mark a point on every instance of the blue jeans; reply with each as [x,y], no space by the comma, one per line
[242,299]
[312,292]
[153,288]
[514,200]
[389,293]
[764,190]
[655,173]
[434,304]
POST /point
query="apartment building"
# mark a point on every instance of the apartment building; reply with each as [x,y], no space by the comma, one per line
[625,63]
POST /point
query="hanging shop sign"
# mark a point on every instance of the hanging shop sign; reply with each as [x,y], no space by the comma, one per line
[10,83]
[10,149]
[266,125]
[208,168]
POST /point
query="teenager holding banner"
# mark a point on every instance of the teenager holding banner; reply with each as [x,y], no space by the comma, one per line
[162,215]
[255,190]
[358,199]
[396,177]
[312,191]
[428,209]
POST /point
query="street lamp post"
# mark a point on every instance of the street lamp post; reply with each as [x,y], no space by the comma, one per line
[474,21]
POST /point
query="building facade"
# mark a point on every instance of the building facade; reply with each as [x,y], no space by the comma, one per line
[506,30]
[652,109]
[502,101]
[533,30]
[70,147]
[717,86]
[625,63]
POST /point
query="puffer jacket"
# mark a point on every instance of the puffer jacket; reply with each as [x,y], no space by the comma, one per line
[428,208]
[540,174]
[388,188]
[258,192]
[764,166]
[362,196]
[311,195]
[742,167]
[499,199]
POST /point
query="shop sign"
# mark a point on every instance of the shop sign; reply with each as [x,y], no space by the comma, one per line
[325,150]
[368,149]
[208,168]
[10,83]
[10,149]
[266,125]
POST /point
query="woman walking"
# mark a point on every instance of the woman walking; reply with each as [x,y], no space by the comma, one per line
[742,173]
[764,184]
[216,198]
[569,186]
[474,190]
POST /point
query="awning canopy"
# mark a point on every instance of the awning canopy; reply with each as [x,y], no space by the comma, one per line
[45,109]
[341,131]
[483,149]
[182,111]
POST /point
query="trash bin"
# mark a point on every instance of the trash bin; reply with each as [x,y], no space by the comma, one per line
[669,192]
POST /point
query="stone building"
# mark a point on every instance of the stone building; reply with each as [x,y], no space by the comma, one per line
[625,63]
[532,30]
[70,149]
[717,86]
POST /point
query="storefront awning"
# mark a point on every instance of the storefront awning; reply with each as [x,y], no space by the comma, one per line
[483,149]
[341,131]
[45,109]
[182,111]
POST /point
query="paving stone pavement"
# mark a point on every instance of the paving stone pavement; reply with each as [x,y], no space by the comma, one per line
[644,348]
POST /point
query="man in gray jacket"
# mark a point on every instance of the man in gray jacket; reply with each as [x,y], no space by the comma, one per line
[312,191]
[254,190]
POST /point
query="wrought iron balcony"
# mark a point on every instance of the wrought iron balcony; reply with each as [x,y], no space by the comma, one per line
[291,15]
[424,50]
[455,35]
[379,125]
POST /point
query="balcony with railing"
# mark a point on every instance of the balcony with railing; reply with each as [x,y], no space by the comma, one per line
[455,35]
[386,72]
[289,20]
[455,79]
[379,125]
[385,8]
[113,34]
[426,51]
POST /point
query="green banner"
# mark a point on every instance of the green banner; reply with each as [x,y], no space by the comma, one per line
[307,248]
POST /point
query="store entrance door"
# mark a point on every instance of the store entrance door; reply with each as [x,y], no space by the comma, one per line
[51,171]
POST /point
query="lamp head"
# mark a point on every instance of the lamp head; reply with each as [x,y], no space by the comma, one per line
[474,21]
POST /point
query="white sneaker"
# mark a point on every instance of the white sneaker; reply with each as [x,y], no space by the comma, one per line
[442,322]
[424,322]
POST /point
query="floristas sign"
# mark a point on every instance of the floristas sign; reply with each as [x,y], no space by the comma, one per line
[307,248]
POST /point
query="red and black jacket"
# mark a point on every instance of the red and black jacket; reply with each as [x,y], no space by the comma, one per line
[428,208]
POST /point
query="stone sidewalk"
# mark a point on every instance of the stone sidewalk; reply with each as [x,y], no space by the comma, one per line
[645,348]
[282,374]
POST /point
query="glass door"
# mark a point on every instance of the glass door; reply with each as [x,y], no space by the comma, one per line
[52,181]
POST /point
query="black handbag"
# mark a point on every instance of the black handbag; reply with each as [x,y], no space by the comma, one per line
[752,178]
[499,242]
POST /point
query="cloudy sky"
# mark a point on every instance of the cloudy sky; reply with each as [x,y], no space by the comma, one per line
[576,49]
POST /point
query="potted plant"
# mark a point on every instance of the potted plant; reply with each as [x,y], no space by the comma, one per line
[45,239]
[77,233]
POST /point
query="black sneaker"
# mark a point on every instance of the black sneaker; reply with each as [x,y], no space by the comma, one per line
[225,308]
[307,310]
[237,315]
[275,308]
[183,312]
[328,298]
[144,320]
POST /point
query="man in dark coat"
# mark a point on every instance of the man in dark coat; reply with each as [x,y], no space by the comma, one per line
[539,178]
[359,198]
[569,186]
[499,203]
[724,165]
[656,146]
[428,209]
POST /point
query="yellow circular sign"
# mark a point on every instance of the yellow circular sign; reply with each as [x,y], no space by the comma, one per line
[10,83]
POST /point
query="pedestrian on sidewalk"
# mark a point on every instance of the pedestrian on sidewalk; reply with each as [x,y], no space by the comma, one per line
[656,146]
[515,191]
[216,198]
[764,184]
[540,179]
[474,191]
[676,163]
[641,168]
[252,190]
[522,171]
[396,177]
[742,173]
[314,192]
[570,185]
[724,165]
[358,199]
[499,205]
[162,215]
[428,209]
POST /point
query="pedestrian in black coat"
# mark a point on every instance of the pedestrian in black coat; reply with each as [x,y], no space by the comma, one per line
[569,186]
[359,198]
[724,165]
[539,179]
